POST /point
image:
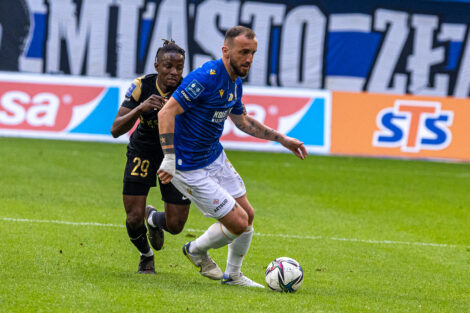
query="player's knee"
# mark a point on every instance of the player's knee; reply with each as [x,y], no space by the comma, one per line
[175,224]
[134,220]
[239,227]
[250,212]
[251,217]
[175,228]
[176,216]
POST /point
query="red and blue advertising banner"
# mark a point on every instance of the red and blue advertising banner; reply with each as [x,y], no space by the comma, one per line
[302,114]
[39,106]
[71,108]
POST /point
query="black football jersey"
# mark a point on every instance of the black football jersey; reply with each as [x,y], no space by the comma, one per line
[145,137]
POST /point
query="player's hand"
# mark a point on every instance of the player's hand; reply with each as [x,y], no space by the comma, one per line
[153,102]
[167,168]
[295,146]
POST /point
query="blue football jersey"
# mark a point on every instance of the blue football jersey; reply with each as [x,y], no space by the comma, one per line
[207,95]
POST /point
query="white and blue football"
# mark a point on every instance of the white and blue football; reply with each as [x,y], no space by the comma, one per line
[284,275]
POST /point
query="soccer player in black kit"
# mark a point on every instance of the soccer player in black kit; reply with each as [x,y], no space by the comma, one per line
[146,96]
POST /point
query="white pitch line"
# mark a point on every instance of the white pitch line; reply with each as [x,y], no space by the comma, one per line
[58,222]
[391,242]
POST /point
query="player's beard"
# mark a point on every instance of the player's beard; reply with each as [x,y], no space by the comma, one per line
[237,70]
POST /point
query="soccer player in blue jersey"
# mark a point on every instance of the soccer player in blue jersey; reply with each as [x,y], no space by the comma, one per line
[190,126]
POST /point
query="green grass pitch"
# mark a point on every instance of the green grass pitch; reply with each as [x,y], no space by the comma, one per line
[372,235]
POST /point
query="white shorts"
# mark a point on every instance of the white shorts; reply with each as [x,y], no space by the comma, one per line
[212,189]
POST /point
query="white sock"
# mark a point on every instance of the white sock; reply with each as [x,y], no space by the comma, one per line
[150,253]
[237,250]
[150,220]
[216,236]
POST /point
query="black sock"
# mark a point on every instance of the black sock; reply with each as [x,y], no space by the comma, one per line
[158,218]
[138,237]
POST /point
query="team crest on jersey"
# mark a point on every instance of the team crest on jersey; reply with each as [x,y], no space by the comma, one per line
[230,97]
[221,92]
[212,72]
[194,89]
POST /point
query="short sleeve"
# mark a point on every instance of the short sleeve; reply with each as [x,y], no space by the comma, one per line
[132,98]
[238,108]
[193,89]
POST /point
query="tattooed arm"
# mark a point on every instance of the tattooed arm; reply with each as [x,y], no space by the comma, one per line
[252,127]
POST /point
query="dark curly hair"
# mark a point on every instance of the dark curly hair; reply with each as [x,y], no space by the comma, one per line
[169,46]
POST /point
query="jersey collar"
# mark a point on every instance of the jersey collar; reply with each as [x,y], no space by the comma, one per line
[163,94]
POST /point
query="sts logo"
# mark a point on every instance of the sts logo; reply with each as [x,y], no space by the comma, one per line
[414,126]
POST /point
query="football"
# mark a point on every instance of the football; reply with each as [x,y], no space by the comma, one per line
[284,275]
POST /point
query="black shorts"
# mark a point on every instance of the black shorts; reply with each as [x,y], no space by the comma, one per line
[140,175]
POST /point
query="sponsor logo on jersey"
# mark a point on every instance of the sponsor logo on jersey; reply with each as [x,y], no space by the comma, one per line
[212,72]
[220,116]
[224,202]
[194,89]
[413,126]
[185,96]
[221,92]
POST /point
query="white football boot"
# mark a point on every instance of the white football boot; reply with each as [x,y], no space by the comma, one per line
[239,280]
[204,264]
